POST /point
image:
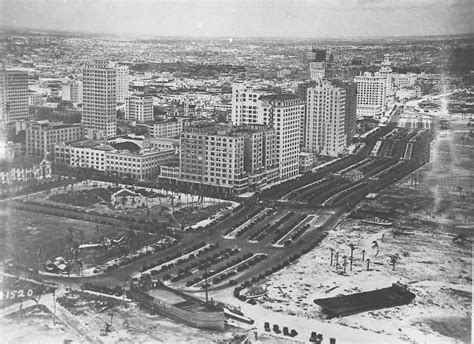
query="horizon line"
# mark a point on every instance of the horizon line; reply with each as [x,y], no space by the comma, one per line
[157,36]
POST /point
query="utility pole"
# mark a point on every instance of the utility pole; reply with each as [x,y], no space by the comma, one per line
[54,308]
[205,285]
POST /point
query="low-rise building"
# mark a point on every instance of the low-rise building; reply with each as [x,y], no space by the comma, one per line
[171,127]
[124,159]
[25,170]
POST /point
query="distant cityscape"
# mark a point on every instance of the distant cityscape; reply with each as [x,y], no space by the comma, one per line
[153,93]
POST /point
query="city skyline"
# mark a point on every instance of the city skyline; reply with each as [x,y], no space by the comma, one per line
[230,18]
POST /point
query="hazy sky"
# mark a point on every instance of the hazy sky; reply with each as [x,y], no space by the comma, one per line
[234,18]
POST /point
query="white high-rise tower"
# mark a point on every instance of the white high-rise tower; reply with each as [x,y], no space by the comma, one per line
[122,83]
[386,71]
[13,95]
[325,118]
[99,100]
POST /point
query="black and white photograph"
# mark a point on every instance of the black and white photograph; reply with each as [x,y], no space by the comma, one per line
[236,171]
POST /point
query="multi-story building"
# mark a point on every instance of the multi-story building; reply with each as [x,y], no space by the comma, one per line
[139,108]
[247,105]
[281,112]
[317,63]
[41,136]
[351,107]
[99,103]
[302,92]
[371,94]
[237,158]
[122,82]
[386,71]
[72,90]
[140,165]
[35,99]
[13,95]
[317,70]
[405,80]
[212,155]
[123,159]
[260,159]
[316,55]
[325,117]
[171,127]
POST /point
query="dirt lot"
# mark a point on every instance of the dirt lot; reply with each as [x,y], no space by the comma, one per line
[35,325]
[132,324]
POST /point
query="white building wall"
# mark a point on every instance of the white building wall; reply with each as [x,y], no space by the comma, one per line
[325,117]
[371,94]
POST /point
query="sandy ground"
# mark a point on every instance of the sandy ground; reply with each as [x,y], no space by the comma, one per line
[35,325]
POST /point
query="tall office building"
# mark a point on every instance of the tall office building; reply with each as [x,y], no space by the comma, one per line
[325,119]
[371,94]
[72,90]
[302,92]
[99,103]
[282,112]
[386,71]
[121,83]
[139,108]
[13,95]
[351,107]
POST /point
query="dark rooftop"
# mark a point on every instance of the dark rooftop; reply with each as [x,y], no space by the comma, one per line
[279,97]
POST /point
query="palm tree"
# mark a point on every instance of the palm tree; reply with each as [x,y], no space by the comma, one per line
[394,259]
[352,246]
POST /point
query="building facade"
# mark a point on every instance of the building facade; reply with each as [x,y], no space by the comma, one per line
[351,107]
[42,136]
[325,119]
[281,112]
[138,164]
[99,103]
[386,72]
[72,90]
[239,158]
[166,128]
[13,95]
[139,108]
[246,105]
[371,94]
[211,155]
[122,81]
